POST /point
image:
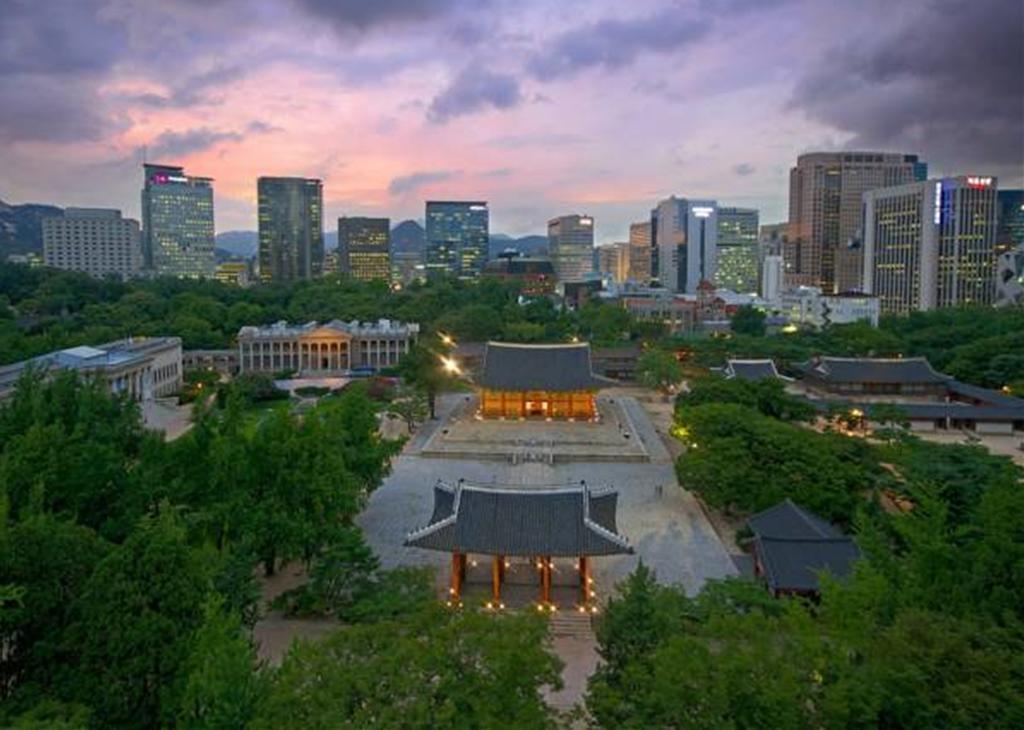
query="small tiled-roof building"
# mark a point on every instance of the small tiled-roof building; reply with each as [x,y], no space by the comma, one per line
[547,381]
[752,370]
[792,546]
[867,376]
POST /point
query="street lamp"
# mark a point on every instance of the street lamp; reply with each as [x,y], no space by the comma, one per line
[447,339]
[449,365]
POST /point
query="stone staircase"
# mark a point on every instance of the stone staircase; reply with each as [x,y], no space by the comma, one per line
[572,624]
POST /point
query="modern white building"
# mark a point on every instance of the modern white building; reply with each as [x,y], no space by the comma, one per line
[771,278]
[571,247]
[685,235]
[332,348]
[931,244]
[808,306]
[96,241]
[142,368]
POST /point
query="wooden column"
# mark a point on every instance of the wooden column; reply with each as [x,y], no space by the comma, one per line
[456,590]
[584,580]
[545,579]
[496,563]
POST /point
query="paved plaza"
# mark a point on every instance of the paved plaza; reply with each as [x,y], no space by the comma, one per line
[664,524]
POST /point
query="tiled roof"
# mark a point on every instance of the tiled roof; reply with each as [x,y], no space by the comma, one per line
[787,519]
[509,366]
[794,545]
[794,565]
[750,369]
[874,370]
[558,521]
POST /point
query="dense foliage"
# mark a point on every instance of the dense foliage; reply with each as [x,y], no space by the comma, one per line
[43,310]
[128,564]
[739,458]
[928,632]
[978,345]
[433,669]
[767,395]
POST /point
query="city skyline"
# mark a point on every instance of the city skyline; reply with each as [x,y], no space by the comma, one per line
[359,97]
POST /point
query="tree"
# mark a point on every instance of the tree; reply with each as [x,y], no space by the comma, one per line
[745,460]
[222,685]
[767,395]
[50,561]
[409,404]
[421,368]
[135,619]
[429,669]
[659,369]
[748,321]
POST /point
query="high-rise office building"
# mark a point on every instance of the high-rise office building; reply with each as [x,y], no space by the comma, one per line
[177,222]
[931,244]
[739,257]
[825,191]
[571,247]
[685,233]
[613,261]
[364,246]
[96,241]
[640,269]
[291,228]
[457,238]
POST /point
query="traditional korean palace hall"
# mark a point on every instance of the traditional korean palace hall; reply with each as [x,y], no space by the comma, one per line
[531,544]
[538,381]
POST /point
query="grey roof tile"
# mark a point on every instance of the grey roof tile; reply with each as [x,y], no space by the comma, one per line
[509,366]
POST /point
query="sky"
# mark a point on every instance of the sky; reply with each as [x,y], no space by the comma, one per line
[540,108]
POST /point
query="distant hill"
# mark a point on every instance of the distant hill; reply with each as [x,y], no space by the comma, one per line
[238,243]
[526,245]
[21,228]
[408,236]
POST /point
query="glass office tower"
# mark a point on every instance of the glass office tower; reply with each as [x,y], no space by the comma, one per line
[291,228]
[457,238]
[364,247]
[177,222]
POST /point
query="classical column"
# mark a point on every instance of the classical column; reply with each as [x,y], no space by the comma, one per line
[496,578]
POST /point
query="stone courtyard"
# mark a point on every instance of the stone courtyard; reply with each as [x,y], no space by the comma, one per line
[665,525]
[462,434]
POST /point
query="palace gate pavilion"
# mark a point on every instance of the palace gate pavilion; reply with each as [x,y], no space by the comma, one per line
[532,525]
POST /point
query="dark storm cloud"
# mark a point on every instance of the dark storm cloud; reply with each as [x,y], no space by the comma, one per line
[179,144]
[415,181]
[614,43]
[58,37]
[947,82]
[472,90]
[348,15]
[43,109]
[192,90]
[52,58]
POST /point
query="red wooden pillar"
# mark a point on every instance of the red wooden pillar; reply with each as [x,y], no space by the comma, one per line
[584,580]
[496,578]
[456,589]
[545,579]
